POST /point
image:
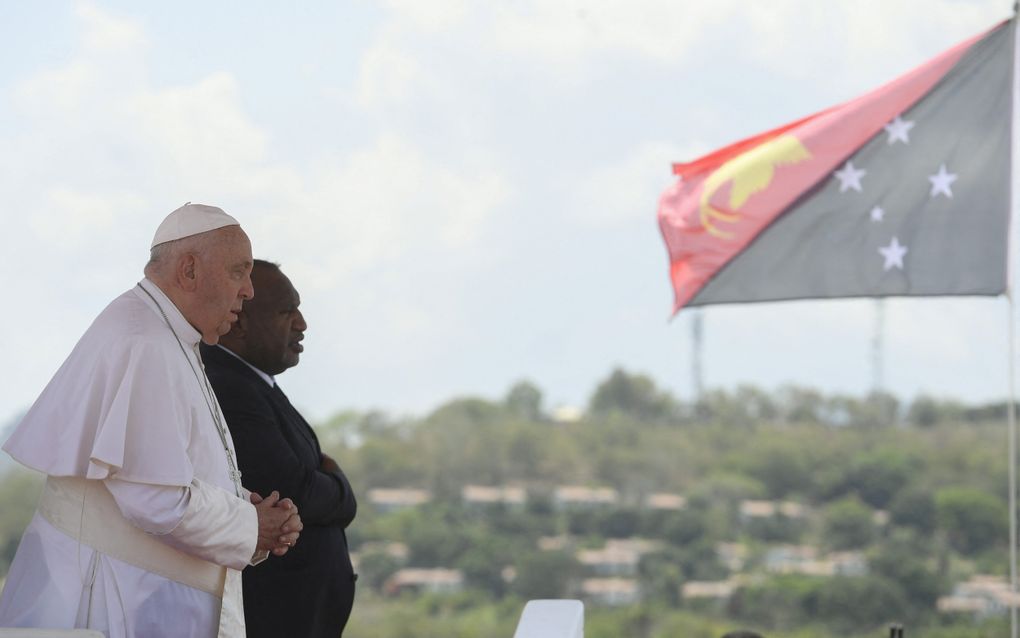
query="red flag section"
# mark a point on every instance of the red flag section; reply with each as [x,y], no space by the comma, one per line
[723,200]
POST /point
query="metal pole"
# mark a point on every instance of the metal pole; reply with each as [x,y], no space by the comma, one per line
[696,369]
[1011,447]
[878,348]
[1014,202]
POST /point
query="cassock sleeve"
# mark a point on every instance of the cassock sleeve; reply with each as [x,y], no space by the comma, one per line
[202,519]
[269,463]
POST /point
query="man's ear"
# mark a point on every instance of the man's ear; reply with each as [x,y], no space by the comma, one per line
[187,272]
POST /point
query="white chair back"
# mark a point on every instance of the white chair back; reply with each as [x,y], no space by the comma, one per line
[551,619]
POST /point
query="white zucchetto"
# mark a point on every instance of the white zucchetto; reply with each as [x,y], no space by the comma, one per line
[191,219]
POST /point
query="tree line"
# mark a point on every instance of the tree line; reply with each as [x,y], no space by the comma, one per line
[934,468]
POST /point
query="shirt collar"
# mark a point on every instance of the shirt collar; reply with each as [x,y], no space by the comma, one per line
[268,378]
[184,330]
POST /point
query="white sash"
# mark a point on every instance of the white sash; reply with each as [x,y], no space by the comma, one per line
[86,511]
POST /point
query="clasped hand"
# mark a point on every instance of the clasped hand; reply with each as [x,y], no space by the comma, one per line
[279,523]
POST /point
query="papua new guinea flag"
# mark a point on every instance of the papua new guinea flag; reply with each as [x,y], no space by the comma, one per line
[902,191]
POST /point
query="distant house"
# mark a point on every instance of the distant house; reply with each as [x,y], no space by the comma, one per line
[392,549]
[436,581]
[578,497]
[982,596]
[708,590]
[665,501]
[804,559]
[483,496]
[567,414]
[554,543]
[611,591]
[618,557]
[610,561]
[767,509]
[390,500]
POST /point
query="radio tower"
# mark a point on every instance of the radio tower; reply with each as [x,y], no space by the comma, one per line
[696,342]
[877,348]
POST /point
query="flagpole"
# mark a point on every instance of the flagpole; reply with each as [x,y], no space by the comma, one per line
[1011,273]
[1011,415]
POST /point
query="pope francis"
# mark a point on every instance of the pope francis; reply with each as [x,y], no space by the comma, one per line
[143,526]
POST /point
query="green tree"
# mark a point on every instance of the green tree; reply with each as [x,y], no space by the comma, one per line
[848,524]
[375,567]
[903,560]
[19,492]
[466,411]
[973,520]
[661,574]
[524,400]
[634,395]
[782,466]
[860,601]
[914,508]
[544,574]
[801,405]
[778,602]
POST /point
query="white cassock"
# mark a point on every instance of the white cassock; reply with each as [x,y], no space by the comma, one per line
[129,411]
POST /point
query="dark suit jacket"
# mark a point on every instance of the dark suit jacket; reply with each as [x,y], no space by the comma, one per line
[309,591]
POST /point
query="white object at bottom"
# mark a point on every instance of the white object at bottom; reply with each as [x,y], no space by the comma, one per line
[551,619]
[57,583]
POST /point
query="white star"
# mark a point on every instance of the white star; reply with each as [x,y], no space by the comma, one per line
[893,254]
[940,182]
[877,214]
[850,177]
[899,130]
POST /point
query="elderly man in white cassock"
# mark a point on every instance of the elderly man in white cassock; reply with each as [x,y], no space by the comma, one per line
[143,526]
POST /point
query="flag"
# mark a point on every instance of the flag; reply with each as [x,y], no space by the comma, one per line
[902,191]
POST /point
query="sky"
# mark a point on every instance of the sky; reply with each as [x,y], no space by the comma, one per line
[464,193]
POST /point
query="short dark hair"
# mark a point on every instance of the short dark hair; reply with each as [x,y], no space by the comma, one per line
[265,264]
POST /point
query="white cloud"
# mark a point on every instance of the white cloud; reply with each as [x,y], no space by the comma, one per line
[387,75]
[435,15]
[855,44]
[103,151]
[106,32]
[568,32]
[626,191]
[69,218]
[199,133]
[379,203]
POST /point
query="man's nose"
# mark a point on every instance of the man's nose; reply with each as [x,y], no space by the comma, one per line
[299,322]
[247,289]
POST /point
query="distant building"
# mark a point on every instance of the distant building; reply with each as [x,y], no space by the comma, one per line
[665,501]
[578,497]
[567,414]
[804,559]
[611,591]
[391,500]
[618,557]
[436,581]
[982,596]
[767,509]
[710,590]
[610,561]
[393,549]
[555,543]
[483,495]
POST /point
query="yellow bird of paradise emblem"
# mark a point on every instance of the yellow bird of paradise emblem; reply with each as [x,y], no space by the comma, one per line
[749,173]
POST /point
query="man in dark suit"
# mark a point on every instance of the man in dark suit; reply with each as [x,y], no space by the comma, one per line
[310,591]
